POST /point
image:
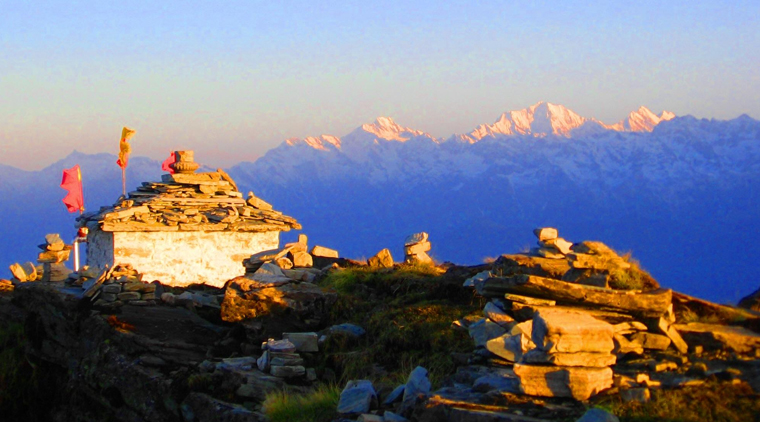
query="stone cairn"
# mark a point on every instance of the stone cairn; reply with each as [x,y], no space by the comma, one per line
[51,264]
[186,201]
[117,286]
[281,358]
[554,319]
[416,247]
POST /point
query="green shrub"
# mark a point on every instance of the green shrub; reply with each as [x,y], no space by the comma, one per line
[319,405]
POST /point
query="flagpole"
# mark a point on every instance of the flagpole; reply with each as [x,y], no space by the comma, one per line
[123,182]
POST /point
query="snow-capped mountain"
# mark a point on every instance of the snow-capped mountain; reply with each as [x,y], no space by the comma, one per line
[679,192]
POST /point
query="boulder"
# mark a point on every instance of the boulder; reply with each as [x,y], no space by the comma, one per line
[717,337]
[558,381]
[301,259]
[357,397]
[382,259]
[570,332]
[417,384]
[651,340]
[284,263]
[346,328]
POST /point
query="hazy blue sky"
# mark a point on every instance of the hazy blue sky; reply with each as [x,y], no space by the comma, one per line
[233,79]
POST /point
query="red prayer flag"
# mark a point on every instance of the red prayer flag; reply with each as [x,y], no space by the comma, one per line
[167,164]
[72,182]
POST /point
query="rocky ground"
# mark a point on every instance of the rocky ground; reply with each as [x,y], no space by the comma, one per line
[543,336]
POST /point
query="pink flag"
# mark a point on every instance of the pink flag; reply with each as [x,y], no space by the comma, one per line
[167,165]
[72,182]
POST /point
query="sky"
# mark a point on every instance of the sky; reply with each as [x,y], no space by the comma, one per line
[233,79]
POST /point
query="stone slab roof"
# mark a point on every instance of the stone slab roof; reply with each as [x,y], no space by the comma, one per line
[189,202]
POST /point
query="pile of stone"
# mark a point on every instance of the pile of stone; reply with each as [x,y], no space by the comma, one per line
[196,202]
[117,286]
[554,319]
[359,399]
[416,248]
[281,358]
[293,261]
[52,268]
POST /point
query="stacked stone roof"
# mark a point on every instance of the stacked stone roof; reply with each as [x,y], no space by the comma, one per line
[189,202]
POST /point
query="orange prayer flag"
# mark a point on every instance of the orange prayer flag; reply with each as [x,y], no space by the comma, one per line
[72,182]
[124,147]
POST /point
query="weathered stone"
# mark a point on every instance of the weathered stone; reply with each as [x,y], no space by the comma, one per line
[126,296]
[510,347]
[545,233]
[478,278]
[18,271]
[548,253]
[716,337]
[54,242]
[500,383]
[629,327]
[420,258]
[30,270]
[556,381]
[108,297]
[596,360]
[650,303]
[369,417]
[202,407]
[389,416]
[301,259]
[562,245]
[304,342]
[623,346]
[132,287]
[263,361]
[357,397]
[509,265]
[382,259]
[596,414]
[651,340]
[417,248]
[527,300]
[54,257]
[497,315]
[287,371]
[285,263]
[569,332]
[663,366]
[484,330]
[324,252]
[415,238]
[666,328]
[279,346]
[417,383]
[311,374]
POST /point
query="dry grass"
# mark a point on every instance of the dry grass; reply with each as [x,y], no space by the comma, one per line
[317,406]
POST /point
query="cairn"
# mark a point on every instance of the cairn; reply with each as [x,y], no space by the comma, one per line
[416,247]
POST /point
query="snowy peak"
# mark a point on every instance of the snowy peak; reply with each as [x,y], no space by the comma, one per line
[322,143]
[641,120]
[540,119]
[386,128]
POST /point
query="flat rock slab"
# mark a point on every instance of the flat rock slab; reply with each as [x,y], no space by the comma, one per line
[714,336]
[596,360]
[571,332]
[357,397]
[304,342]
[558,381]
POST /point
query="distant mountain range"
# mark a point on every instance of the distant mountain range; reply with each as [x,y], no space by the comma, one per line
[679,192]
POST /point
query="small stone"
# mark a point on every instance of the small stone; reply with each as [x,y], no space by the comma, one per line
[510,347]
[324,252]
[651,341]
[529,300]
[111,288]
[586,359]
[54,242]
[420,258]
[285,359]
[168,298]
[417,383]
[301,259]
[284,262]
[369,417]
[132,287]
[287,371]
[304,342]
[570,332]
[663,366]
[357,397]
[126,296]
[108,297]
[545,233]
[263,361]
[18,271]
[395,395]
[279,346]
[389,416]
[30,270]
[415,238]
[382,259]
[311,374]
[417,248]
[148,296]
[557,381]
[484,330]
[352,330]
[497,315]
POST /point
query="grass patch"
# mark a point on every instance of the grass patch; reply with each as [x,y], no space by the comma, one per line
[19,378]
[633,278]
[712,402]
[407,312]
[317,406]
